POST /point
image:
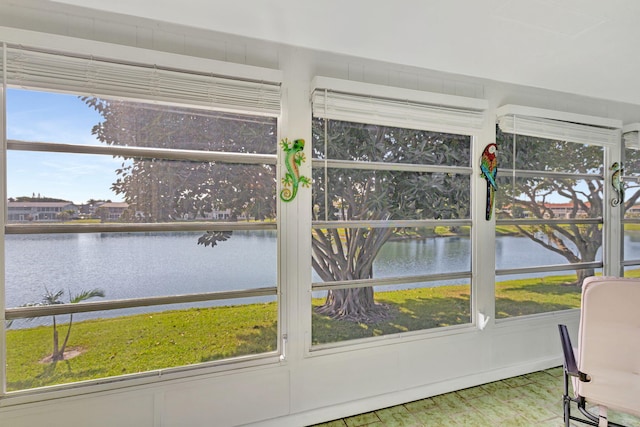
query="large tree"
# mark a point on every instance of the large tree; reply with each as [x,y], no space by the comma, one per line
[535,196]
[353,194]
[159,190]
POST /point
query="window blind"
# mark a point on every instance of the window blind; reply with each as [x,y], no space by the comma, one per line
[36,69]
[559,126]
[360,103]
[630,136]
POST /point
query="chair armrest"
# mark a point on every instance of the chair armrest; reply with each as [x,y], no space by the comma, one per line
[570,365]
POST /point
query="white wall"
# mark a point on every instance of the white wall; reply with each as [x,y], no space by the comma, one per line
[308,387]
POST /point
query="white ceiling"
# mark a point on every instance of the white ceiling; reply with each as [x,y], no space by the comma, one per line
[588,47]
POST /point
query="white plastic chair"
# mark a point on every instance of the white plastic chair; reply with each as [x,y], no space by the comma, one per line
[605,367]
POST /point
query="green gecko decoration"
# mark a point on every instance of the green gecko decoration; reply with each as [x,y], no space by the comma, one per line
[616,182]
[293,159]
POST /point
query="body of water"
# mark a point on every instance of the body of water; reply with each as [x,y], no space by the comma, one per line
[141,265]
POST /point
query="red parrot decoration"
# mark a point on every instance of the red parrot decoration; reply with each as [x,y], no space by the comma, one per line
[489,168]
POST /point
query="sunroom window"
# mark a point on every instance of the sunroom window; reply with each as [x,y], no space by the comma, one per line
[550,208]
[391,238]
[130,219]
[630,178]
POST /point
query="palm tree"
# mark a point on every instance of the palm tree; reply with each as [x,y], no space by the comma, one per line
[50,298]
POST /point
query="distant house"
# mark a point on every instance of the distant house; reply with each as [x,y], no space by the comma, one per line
[39,211]
[112,211]
[219,215]
[633,211]
[565,210]
[213,215]
[554,210]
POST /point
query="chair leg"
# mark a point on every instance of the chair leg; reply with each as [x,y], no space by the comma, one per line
[566,401]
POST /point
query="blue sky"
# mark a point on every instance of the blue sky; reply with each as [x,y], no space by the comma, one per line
[61,118]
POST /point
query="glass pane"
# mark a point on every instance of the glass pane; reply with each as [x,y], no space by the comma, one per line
[376,195]
[631,196]
[73,119]
[526,294]
[540,154]
[548,198]
[372,143]
[632,271]
[349,254]
[631,242]
[51,187]
[540,245]
[632,183]
[397,311]
[632,162]
[120,342]
[424,251]
[404,252]
[391,308]
[112,189]
[133,265]
[50,117]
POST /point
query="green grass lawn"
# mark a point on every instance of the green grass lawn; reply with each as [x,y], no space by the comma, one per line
[130,344]
[138,343]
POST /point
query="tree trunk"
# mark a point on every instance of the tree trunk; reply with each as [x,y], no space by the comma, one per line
[55,356]
[349,304]
[66,338]
[349,257]
[583,274]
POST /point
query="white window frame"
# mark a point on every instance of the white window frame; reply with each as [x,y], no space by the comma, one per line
[630,140]
[227,87]
[359,102]
[572,127]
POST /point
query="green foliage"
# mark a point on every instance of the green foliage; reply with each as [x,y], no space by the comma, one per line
[161,190]
[54,298]
[359,194]
[382,194]
[38,198]
[531,195]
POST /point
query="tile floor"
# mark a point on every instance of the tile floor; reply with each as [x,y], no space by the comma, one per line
[528,400]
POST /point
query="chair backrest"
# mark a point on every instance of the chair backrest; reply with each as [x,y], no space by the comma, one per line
[609,342]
